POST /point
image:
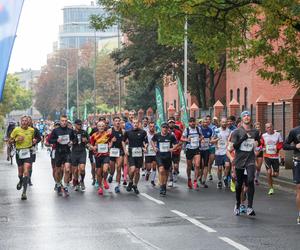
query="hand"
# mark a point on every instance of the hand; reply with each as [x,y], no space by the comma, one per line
[114,139]
[298,146]
[59,140]
[20,138]
[84,139]
[145,150]
[34,141]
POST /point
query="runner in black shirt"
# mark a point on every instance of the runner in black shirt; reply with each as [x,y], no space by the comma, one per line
[78,155]
[163,143]
[245,142]
[137,140]
[293,143]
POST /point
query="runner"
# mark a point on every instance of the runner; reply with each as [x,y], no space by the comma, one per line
[231,123]
[100,144]
[62,137]
[259,155]
[178,122]
[137,141]
[192,136]
[34,148]
[292,142]
[174,171]
[9,129]
[78,155]
[23,137]
[271,143]
[129,123]
[222,135]
[145,124]
[150,156]
[42,128]
[116,152]
[212,147]
[205,150]
[245,141]
[163,143]
[92,156]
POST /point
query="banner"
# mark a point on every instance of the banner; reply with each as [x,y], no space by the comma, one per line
[185,116]
[10,11]
[160,108]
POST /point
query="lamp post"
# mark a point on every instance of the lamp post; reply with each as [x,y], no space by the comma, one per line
[95,59]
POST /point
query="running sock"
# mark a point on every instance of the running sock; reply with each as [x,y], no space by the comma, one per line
[82,176]
[25,183]
[153,174]
[21,178]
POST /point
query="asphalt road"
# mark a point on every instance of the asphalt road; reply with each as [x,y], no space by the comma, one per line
[184,219]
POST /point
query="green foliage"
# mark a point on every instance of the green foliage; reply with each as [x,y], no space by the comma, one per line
[15,97]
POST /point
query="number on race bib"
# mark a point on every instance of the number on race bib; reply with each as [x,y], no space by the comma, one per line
[24,153]
[150,151]
[137,152]
[247,145]
[64,139]
[114,152]
[102,148]
[195,141]
[271,149]
[164,147]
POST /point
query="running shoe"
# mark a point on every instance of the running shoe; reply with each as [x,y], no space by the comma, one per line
[271,191]
[24,196]
[174,178]
[82,186]
[204,185]
[135,189]
[196,184]
[161,190]
[210,177]
[147,176]
[19,185]
[105,184]
[243,209]
[100,191]
[117,189]
[96,184]
[219,186]
[129,187]
[55,187]
[170,184]
[298,220]
[250,211]
[153,183]
[124,183]
[76,188]
[190,185]
[236,210]
[110,179]
[66,191]
[232,186]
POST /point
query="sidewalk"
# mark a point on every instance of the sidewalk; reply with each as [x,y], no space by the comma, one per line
[284,181]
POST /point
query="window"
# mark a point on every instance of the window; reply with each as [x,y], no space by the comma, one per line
[231,95]
[246,97]
[238,95]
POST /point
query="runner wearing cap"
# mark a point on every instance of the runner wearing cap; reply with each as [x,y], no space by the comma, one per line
[164,143]
[245,141]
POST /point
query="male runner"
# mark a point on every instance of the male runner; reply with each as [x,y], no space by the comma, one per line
[62,137]
[212,147]
[245,141]
[78,155]
[292,142]
[192,136]
[137,141]
[145,124]
[23,137]
[163,144]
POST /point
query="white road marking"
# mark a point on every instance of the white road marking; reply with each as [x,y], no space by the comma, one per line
[153,199]
[142,240]
[233,243]
[194,221]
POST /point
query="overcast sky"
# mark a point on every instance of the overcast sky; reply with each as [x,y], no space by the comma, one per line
[38,29]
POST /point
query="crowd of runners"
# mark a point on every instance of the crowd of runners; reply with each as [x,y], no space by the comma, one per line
[120,150]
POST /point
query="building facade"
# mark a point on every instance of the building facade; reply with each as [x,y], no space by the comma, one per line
[75,31]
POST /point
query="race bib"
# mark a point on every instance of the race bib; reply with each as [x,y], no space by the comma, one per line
[221,144]
[271,149]
[53,154]
[150,151]
[247,145]
[205,144]
[164,147]
[137,152]
[114,152]
[195,141]
[65,139]
[102,148]
[24,153]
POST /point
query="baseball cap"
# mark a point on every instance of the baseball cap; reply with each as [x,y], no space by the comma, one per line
[245,112]
[171,119]
[164,124]
[78,122]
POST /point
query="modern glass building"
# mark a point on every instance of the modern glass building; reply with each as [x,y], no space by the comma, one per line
[76,31]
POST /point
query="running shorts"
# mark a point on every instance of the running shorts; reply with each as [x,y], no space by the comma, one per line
[101,160]
[78,158]
[150,159]
[190,153]
[165,162]
[135,161]
[272,163]
[204,157]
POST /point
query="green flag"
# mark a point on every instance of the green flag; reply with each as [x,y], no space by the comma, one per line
[185,117]
[160,107]
[71,113]
[85,112]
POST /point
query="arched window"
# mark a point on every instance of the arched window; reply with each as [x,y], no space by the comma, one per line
[238,95]
[231,95]
[246,97]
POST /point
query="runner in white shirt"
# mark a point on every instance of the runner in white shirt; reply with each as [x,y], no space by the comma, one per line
[150,155]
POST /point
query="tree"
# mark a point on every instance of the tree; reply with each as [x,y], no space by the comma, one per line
[243,29]
[15,97]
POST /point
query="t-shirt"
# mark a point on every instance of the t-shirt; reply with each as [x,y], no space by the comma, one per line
[293,137]
[164,143]
[177,133]
[271,143]
[128,126]
[28,135]
[222,135]
[101,140]
[213,128]
[136,140]
[150,150]
[194,134]
[119,135]
[207,134]
[78,144]
[244,155]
